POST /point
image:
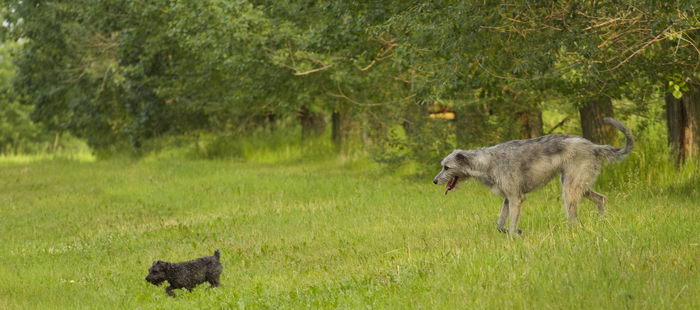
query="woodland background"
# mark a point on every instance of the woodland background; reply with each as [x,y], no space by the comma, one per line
[402,81]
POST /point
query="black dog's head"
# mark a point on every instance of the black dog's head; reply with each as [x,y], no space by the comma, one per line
[157,273]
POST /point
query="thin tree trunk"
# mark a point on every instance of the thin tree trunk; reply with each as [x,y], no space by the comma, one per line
[365,134]
[342,126]
[472,127]
[592,114]
[530,123]
[415,115]
[336,136]
[272,122]
[56,141]
[312,124]
[266,122]
[682,124]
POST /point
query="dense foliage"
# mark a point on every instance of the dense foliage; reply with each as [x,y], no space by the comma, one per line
[121,74]
[18,134]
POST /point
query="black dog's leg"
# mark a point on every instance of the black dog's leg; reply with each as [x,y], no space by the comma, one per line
[169,290]
[213,280]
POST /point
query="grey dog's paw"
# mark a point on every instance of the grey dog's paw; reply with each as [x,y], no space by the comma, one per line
[503,230]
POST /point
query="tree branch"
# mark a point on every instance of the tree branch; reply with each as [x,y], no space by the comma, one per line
[561,123]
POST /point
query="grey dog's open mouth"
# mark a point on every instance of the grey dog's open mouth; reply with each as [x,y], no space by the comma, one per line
[451,184]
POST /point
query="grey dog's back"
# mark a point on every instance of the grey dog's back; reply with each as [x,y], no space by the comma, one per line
[557,144]
[532,162]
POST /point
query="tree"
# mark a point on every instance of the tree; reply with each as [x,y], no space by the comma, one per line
[604,44]
[326,45]
[127,72]
[18,134]
[592,114]
[683,119]
[117,72]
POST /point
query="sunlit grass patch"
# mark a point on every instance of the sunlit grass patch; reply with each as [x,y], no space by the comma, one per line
[329,234]
[85,157]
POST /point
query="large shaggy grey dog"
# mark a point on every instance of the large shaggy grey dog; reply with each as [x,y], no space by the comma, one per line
[515,168]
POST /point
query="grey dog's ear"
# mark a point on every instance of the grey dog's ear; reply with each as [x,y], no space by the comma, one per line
[463,158]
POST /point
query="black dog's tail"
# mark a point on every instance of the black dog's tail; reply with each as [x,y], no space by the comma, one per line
[615,154]
[217,254]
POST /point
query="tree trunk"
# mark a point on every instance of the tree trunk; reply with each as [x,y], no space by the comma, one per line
[592,114]
[272,122]
[56,141]
[365,134]
[266,122]
[414,117]
[341,125]
[682,123]
[530,123]
[472,127]
[336,136]
[312,124]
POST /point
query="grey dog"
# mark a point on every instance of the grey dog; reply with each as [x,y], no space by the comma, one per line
[186,274]
[515,168]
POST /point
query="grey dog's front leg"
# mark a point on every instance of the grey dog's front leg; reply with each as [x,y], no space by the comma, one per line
[502,218]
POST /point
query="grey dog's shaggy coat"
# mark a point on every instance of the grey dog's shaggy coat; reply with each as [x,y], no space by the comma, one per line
[186,274]
[515,168]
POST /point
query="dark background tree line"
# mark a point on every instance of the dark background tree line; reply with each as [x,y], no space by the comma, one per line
[123,73]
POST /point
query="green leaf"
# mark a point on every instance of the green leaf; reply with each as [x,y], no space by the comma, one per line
[677,94]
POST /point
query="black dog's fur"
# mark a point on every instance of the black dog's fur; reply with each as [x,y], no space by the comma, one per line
[186,274]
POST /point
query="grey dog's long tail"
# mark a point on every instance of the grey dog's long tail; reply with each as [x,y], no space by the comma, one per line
[615,154]
[217,254]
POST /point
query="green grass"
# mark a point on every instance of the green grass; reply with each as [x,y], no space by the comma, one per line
[81,234]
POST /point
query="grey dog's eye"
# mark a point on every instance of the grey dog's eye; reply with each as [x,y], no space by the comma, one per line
[445,167]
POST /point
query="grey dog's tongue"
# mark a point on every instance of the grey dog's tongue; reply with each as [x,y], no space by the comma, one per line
[450,185]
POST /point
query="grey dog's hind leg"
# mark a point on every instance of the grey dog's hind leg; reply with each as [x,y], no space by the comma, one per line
[572,195]
[502,218]
[577,182]
[514,205]
[597,198]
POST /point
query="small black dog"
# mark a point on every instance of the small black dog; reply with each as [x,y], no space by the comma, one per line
[186,274]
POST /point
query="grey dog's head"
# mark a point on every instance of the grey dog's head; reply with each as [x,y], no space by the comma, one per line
[157,273]
[454,169]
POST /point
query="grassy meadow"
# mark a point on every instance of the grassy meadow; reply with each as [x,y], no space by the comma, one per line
[332,234]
